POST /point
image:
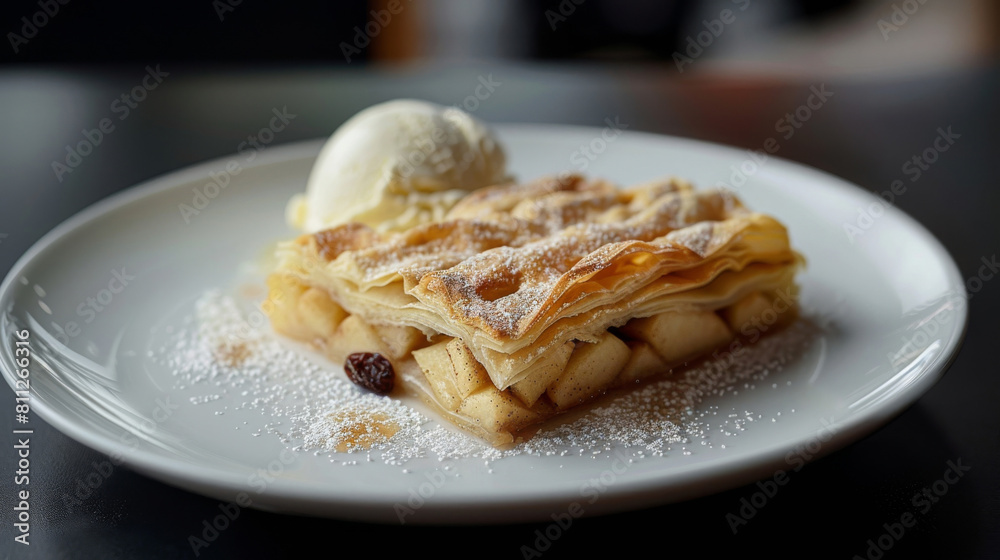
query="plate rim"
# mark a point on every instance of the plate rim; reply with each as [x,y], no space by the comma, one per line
[220,483]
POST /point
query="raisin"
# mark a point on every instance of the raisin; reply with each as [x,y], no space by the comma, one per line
[372,371]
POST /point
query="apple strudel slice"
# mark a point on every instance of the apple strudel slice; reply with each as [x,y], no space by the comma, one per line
[529,300]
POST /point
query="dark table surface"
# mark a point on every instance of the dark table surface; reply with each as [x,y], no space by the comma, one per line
[866,133]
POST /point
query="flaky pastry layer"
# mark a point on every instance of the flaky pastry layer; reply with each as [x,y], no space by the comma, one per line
[515,271]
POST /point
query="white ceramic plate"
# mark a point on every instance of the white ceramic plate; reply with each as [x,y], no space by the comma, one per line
[890,300]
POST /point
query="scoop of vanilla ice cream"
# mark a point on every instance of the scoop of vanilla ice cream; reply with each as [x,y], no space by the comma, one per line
[396,165]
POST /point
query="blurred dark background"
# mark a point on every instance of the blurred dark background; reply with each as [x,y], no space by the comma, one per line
[804,34]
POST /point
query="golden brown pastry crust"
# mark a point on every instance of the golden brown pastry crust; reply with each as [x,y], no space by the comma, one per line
[515,271]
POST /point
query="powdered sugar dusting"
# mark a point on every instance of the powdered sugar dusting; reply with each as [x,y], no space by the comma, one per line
[309,405]
[506,253]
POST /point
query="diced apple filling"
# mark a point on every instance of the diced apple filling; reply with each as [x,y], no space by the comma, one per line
[452,371]
[643,362]
[543,373]
[677,336]
[568,375]
[319,312]
[589,372]
[497,411]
